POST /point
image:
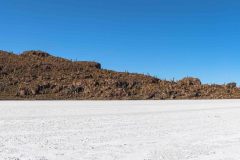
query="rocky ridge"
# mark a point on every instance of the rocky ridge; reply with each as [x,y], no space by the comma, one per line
[39,75]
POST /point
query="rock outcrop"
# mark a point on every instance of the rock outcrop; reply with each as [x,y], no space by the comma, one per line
[39,75]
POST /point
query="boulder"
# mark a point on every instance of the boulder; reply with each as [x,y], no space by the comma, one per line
[190,81]
[22,92]
[231,85]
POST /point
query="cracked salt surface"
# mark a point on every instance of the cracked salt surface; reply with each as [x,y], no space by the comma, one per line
[120,130]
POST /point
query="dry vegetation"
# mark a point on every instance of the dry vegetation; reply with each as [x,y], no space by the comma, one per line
[38,75]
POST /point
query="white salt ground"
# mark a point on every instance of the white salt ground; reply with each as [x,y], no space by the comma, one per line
[120,130]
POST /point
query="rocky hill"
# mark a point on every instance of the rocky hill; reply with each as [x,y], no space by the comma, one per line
[39,75]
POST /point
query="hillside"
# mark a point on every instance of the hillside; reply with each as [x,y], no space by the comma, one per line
[39,75]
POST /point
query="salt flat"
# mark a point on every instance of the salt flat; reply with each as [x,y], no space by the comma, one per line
[120,130]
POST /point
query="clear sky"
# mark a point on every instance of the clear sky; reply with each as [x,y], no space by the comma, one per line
[165,38]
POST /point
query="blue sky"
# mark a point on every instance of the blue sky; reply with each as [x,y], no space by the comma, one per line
[165,38]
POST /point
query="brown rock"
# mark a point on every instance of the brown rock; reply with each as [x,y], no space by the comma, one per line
[231,85]
[22,92]
[190,81]
[43,76]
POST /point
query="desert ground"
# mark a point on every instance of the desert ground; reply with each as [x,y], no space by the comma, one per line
[120,130]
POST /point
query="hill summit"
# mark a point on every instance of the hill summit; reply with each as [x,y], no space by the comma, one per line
[39,75]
